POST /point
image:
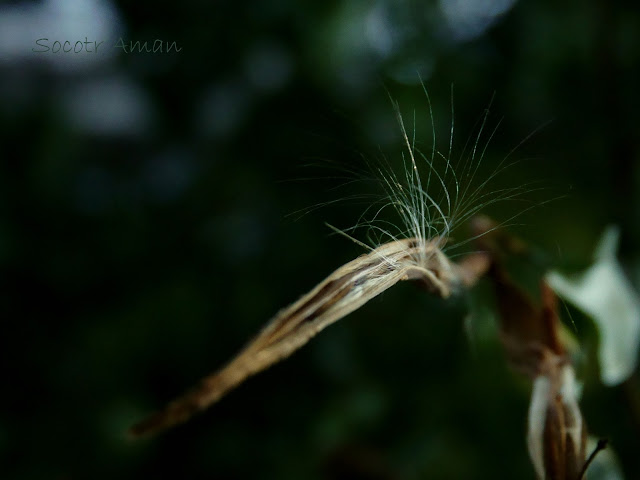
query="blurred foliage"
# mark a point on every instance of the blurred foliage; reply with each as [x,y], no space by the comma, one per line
[144,236]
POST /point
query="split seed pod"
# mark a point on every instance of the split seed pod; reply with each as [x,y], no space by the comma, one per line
[557,434]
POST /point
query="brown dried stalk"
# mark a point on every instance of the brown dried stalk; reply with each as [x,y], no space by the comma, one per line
[342,292]
[557,433]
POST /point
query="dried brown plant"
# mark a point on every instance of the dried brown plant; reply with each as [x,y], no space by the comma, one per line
[342,292]
[557,433]
[528,330]
[429,206]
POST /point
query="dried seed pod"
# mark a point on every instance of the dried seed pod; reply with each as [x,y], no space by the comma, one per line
[345,290]
[427,217]
[557,434]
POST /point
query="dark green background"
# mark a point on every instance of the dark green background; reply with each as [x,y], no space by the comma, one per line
[133,265]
